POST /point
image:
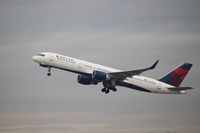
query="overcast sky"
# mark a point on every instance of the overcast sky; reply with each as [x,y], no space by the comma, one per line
[124,34]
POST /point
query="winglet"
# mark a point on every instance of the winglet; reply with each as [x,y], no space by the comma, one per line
[154,65]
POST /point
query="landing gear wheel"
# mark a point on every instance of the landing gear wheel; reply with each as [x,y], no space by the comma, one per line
[107,91]
[114,89]
[48,74]
[103,90]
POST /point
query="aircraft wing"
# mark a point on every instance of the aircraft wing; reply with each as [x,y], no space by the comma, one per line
[124,74]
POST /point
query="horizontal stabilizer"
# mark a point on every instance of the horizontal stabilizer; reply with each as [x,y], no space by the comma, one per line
[179,88]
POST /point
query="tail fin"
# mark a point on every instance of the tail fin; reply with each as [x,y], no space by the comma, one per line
[176,77]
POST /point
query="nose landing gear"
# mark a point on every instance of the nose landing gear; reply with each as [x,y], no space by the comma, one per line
[49,71]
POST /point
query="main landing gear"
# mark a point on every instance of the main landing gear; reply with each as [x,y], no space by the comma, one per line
[107,90]
[49,71]
[109,86]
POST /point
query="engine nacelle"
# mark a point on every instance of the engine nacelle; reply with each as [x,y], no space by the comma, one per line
[100,76]
[85,80]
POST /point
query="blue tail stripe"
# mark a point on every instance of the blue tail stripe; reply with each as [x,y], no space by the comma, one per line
[174,78]
[186,66]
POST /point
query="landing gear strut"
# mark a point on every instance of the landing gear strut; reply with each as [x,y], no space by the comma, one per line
[49,71]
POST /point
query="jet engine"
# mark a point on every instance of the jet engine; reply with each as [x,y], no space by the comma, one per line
[100,76]
[85,80]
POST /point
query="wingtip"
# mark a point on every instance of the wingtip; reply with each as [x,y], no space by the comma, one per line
[157,61]
[154,65]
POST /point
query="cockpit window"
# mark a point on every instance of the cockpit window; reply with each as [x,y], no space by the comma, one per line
[41,55]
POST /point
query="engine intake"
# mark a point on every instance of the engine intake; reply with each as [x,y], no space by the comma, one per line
[100,76]
[85,80]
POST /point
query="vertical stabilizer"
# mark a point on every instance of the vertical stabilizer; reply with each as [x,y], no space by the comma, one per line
[176,77]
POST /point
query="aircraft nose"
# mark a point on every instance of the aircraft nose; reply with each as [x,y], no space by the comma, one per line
[34,58]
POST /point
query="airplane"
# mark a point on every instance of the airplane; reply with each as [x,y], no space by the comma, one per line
[92,74]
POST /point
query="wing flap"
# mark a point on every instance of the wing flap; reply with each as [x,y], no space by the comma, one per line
[124,74]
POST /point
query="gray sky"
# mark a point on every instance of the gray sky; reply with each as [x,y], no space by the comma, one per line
[126,35]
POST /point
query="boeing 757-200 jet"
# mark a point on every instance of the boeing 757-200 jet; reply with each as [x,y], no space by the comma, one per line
[92,74]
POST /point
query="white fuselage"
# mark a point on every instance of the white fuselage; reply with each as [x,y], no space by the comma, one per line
[81,66]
